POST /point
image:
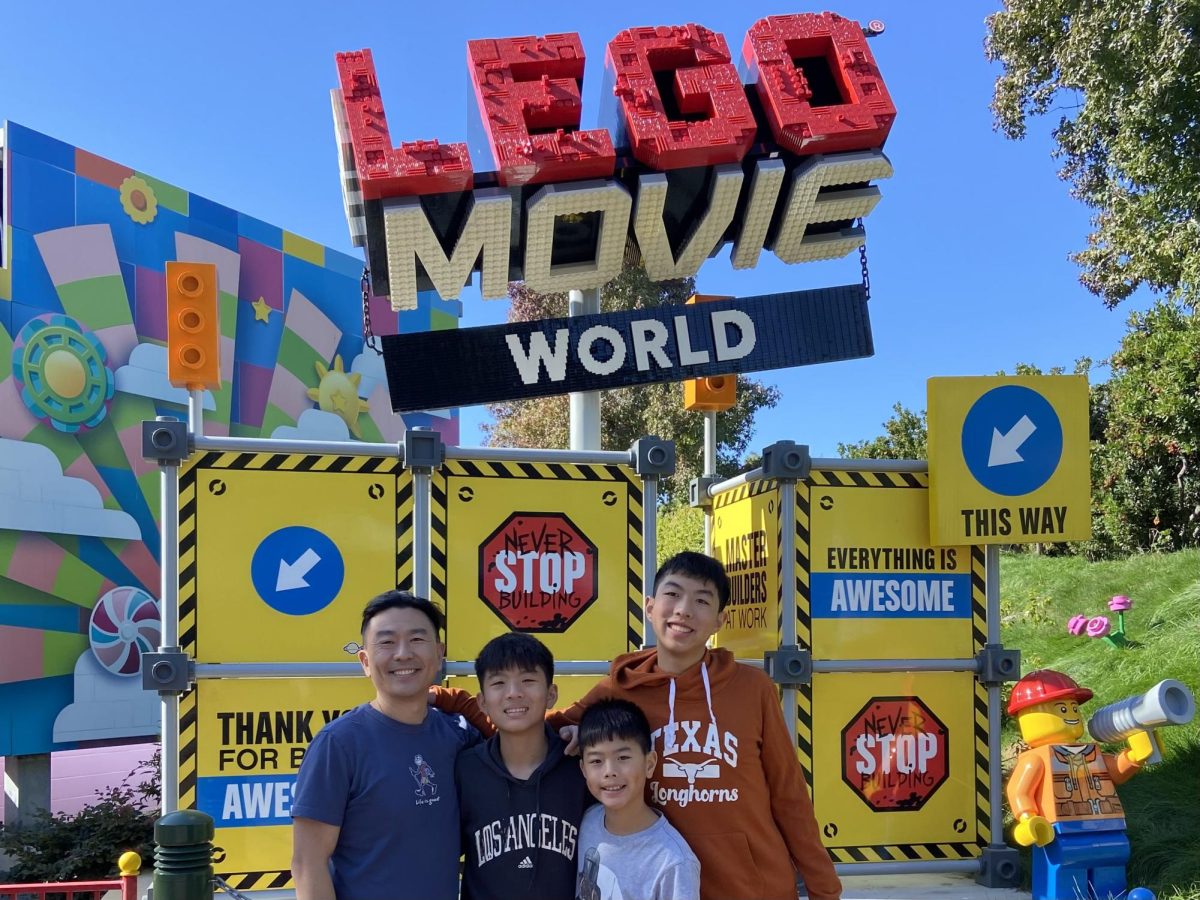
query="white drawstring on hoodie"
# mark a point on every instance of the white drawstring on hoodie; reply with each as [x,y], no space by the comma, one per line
[707,696]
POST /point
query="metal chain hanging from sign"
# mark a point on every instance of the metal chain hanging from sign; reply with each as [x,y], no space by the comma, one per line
[369,337]
[862,259]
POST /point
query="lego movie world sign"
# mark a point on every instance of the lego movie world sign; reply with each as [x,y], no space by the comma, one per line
[688,159]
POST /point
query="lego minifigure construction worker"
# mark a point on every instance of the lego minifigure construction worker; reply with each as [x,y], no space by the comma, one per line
[1063,792]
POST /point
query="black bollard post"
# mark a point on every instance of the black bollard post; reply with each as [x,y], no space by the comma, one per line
[183,856]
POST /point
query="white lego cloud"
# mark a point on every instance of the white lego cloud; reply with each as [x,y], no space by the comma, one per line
[369,364]
[107,706]
[314,425]
[146,376]
[35,495]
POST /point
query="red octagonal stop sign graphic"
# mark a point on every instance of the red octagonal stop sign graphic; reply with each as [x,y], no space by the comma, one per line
[538,572]
[895,753]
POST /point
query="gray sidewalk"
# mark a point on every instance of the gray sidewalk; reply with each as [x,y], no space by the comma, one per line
[919,887]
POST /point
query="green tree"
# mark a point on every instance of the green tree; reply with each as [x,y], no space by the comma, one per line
[1125,78]
[905,436]
[680,527]
[630,413]
[1146,456]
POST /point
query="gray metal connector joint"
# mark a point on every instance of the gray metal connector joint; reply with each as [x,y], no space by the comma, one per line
[652,457]
[698,491]
[423,449]
[789,666]
[996,665]
[786,461]
[164,441]
[168,671]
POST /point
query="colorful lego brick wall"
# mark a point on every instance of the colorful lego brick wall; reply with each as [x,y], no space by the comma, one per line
[83,363]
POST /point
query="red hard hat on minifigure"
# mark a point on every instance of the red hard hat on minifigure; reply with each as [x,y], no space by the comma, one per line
[1043,686]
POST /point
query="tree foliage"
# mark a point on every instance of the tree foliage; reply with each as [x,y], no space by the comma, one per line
[1144,429]
[630,413]
[86,845]
[905,436]
[1146,463]
[1126,80]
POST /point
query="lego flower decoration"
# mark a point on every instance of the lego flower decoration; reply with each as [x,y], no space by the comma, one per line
[1120,603]
[138,200]
[1097,626]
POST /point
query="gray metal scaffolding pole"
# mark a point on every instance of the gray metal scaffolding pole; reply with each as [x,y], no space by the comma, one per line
[585,407]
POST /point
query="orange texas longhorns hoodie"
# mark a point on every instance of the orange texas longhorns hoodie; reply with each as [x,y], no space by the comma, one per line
[727,776]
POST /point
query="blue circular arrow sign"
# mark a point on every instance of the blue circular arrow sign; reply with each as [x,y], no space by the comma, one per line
[1012,440]
[297,570]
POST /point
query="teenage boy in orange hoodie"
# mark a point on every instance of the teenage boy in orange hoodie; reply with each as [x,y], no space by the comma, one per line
[727,776]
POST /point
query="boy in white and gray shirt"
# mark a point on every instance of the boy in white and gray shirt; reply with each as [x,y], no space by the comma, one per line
[627,850]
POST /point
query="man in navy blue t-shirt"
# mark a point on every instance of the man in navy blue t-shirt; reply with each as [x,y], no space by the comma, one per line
[375,811]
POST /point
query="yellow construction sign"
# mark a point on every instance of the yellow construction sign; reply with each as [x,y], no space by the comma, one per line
[745,538]
[554,551]
[279,553]
[898,763]
[1008,460]
[241,744]
[878,589]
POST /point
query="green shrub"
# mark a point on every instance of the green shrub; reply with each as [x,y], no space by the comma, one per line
[86,845]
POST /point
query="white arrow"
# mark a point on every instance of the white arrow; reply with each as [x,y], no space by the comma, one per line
[291,575]
[1005,446]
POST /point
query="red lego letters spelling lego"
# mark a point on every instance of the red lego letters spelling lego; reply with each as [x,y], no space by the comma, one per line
[413,168]
[818,84]
[678,100]
[527,89]
[686,69]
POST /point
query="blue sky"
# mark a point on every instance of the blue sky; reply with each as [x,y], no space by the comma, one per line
[968,247]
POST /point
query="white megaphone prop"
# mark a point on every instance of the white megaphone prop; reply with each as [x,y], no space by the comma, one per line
[1169,702]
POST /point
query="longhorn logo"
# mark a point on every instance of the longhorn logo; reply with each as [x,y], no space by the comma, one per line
[709,768]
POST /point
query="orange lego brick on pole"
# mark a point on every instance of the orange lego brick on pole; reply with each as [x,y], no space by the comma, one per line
[716,393]
[193,332]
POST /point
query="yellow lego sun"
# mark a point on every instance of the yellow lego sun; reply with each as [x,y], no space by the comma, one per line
[338,394]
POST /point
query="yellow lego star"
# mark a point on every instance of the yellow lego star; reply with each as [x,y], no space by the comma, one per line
[262,312]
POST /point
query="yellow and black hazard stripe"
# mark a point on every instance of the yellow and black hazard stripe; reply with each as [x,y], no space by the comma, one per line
[478,468]
[404,529]
[803,612]
[834,478]
[255,881]
[187,750]
[744,491]
[635,576]
[978,597]
[268,462]
[904,852]
[983,778]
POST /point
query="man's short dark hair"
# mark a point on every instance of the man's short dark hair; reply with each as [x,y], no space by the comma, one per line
[612,720]
[514,650]
[699,566]
[403,600]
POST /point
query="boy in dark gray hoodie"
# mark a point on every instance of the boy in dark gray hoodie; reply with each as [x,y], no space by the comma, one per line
[520,798]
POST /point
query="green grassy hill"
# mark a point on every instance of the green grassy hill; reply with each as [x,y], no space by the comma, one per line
[1038,596]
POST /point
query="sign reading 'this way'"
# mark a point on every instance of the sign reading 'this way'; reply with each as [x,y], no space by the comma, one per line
[1008,460]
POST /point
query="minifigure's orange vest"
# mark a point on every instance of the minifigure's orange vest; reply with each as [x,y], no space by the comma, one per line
[1082,783]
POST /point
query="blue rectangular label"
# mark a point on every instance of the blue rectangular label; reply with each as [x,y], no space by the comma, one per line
[246,800]
[890,595]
